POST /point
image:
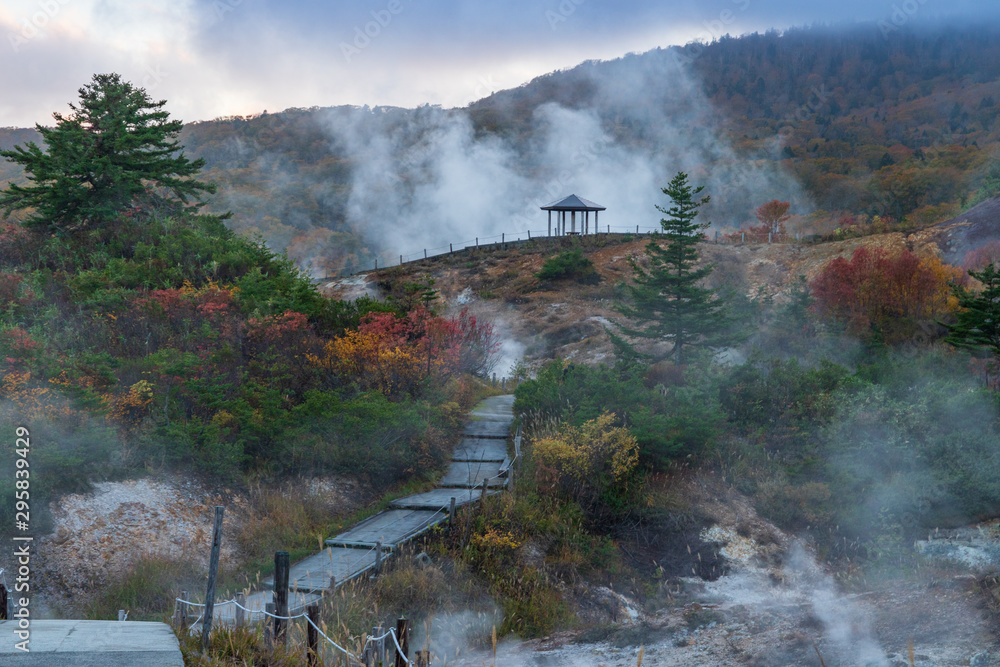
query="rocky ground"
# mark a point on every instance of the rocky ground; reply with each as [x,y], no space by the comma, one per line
[100,534]
[776,606]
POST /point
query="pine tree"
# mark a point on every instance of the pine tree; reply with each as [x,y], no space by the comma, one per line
[115,150]
[668,296]
[978,325]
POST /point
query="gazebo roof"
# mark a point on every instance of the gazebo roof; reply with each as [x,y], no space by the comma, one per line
[573,203]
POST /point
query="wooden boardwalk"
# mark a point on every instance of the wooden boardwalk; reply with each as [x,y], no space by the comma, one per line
[481,456]
[92,644]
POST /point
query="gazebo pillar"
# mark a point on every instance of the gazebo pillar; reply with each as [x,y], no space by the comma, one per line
[586,222]
[596,228]
[550,223]
[573,221]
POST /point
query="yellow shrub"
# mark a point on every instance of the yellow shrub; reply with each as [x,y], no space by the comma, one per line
[596,461]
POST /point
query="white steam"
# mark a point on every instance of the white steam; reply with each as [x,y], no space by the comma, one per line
[424,178]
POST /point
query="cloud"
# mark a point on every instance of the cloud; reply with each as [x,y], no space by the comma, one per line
[223,57]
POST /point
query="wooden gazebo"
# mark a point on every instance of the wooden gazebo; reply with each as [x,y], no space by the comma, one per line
[572,205]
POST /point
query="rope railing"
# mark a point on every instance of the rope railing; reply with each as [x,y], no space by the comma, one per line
[264,612]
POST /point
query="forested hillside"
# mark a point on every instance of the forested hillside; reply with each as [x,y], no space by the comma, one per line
[845,123]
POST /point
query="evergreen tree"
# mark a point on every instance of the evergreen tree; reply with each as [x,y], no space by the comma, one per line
[668,296]
[978,325]
[115,150]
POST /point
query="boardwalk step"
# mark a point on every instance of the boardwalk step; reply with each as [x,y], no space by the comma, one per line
[470,474]
[391,528]
[480,449]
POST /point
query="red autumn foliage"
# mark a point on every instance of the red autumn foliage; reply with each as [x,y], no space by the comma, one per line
[982,257]
[773,215]
[882,294]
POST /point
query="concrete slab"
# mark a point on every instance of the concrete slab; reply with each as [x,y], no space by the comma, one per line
[93,644]
[313,574]
[499,408]
[470,474]
[391,528]
[487,429]
[257,601]
[439,499]
[480,449]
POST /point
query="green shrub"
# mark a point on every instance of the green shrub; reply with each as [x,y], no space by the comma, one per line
[668,422]
[567,265]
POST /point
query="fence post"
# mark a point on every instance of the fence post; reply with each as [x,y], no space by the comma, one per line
[378,557]
[3,603]
[486,485]
[769,237]
[240,613]
[403,637]
[425,253]
[268,629]
[529,234]
[213,571]
[182,612]
[380,647]
[376,263]
[510,478]
[422,659]
[280,596]
[451,513]
[743,238]
[121,614]
[477,242]
[400,260]
[503,239]
[451,249]
[312,654]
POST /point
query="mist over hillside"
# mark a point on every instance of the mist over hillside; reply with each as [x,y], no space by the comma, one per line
[836,121]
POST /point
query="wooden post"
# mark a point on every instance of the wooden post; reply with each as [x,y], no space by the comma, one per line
[451,512]
[182,612]
[280,596]
[510,478]
[240,613]
[637,229]
[376,263]
[312,654]
[403,637]
[213,572]
[400,260]
[477,241]
[450,249]
[425,253]
[378,556]
[529,234]
[333,583]
[422,659]
[3,603]
[503,239]
[121,615]
[486,483]
[268,629]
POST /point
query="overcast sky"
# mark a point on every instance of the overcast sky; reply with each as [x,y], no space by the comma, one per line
[210,58]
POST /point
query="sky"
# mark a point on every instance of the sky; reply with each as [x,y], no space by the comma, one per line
[212,58]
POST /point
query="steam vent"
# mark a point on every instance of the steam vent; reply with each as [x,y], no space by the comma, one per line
[572,205]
